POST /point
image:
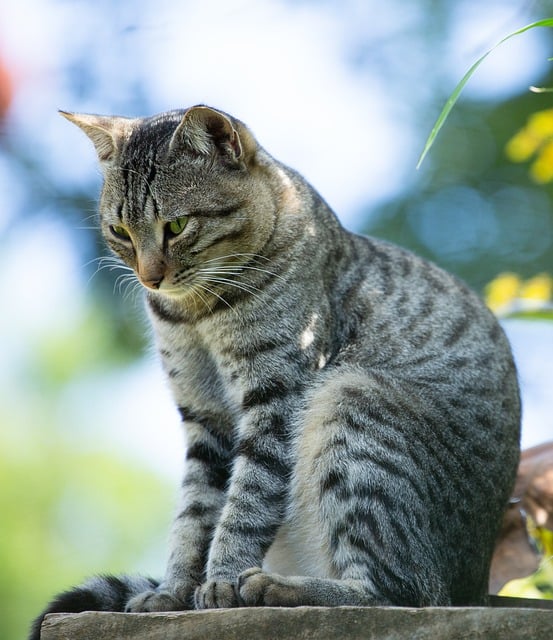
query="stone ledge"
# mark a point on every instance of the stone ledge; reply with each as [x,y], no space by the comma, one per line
[306,623]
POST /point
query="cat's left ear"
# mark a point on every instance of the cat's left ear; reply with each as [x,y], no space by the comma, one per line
[205,131]
[108,133]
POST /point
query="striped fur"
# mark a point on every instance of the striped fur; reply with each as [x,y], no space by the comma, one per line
[352,411]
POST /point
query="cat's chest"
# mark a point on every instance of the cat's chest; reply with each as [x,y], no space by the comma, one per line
[201,364]
[224,358]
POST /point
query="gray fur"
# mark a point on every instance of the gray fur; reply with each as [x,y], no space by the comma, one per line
[352,411]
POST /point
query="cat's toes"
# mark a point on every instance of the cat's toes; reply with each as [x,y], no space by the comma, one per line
[154,601]
[216,594]
[258,589]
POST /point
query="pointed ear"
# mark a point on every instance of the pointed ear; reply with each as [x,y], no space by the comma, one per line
[108,133]
[205,131]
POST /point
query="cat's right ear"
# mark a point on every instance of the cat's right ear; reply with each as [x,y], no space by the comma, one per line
[108,133]
[208,133]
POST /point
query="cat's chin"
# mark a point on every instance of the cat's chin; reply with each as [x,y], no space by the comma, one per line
[169,292]
[173,293]
[182,297]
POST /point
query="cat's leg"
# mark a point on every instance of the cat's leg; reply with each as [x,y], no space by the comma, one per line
[208,461]
[256,499]
[368,510]
[256,588]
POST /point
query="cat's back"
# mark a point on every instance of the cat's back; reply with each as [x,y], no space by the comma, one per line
[438,355]
[406,310]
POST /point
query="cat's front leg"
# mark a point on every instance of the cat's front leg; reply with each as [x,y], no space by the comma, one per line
[208,460]
[254,509]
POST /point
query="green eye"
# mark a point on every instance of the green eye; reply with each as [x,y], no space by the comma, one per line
[177,226]
[119,232]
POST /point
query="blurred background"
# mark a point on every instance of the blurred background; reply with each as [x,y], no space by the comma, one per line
[344,91]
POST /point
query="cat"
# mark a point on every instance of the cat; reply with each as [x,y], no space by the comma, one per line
[352,411]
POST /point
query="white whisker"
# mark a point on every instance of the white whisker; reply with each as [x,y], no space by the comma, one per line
[106,263]
[253,256]
[249,288]
[123,280]
[213,293]
[132,286]
[237,267]
[196,290]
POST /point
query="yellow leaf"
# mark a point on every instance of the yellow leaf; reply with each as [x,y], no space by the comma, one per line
[539,288]
[540,124]
[535,138]
[541,169]
[521,588]
[522,146]
[502,290]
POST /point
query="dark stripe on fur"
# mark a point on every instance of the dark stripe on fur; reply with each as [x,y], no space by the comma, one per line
[267,391]
[162,312]
[208,422]
[252,449]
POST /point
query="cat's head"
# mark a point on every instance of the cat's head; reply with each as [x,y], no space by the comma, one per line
[185,200]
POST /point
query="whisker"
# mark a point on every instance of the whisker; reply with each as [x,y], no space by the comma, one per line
[106,263]
[241,267]
[249,288]
[123,280]
[131,288]
[196,290]
[213,293]
[254,256]
[223,270]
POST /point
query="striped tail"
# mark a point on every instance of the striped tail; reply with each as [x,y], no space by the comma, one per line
[101,593]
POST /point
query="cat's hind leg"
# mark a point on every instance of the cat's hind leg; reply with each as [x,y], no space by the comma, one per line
[370,519]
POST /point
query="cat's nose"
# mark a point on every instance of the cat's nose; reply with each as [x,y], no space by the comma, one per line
[151,271]
[153,282]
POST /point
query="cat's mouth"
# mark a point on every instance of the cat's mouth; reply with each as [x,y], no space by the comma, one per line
[162,283]
[167,289]
[183,285]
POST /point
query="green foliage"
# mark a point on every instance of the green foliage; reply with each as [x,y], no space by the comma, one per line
[91,343]
[511,297]
[67,514]
[461,85]
[69,507]
[540,583]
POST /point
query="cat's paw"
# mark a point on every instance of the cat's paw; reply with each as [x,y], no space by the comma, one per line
[155,601]
[216,594]
[258,589]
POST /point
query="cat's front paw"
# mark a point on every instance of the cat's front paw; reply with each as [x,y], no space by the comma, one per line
[149,601]
[216,594]
[258,589]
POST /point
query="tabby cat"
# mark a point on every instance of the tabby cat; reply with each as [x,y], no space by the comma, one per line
[351,411]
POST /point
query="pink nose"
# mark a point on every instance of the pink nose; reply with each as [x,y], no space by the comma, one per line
[151,269]
[152,281]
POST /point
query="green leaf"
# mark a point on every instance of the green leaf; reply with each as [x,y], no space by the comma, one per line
[548,22]
[535,314]
[541,89]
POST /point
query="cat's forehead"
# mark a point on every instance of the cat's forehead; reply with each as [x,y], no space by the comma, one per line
[149,140]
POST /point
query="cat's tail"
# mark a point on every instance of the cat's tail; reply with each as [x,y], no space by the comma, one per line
[101,593]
